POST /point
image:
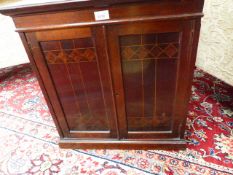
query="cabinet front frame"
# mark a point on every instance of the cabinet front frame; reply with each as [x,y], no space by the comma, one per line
[189,30]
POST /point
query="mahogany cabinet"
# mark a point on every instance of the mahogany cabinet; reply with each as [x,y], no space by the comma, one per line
[122,81]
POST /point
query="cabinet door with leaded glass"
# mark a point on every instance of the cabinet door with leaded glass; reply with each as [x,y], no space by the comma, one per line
[148,62]
[75,71]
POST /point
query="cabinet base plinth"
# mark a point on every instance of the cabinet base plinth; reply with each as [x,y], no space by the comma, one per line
[123,144]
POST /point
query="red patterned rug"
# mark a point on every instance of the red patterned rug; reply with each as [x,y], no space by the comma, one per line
[28,137]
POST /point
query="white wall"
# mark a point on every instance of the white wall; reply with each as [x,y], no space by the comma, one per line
[215,52]
[11,48]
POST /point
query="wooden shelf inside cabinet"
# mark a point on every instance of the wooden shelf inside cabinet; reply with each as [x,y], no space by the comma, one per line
[118,83]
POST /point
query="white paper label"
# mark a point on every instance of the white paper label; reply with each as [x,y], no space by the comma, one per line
[101,15]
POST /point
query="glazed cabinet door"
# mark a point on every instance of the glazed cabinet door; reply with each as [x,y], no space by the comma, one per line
[75,72]
[150,66]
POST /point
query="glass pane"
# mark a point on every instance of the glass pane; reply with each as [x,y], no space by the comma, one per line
[149,64]
[75,72]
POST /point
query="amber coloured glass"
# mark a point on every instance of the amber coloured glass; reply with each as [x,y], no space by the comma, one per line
[146,59]
[74,69]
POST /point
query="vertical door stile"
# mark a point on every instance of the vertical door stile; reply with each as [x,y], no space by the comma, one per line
[114,52]
[99,33]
